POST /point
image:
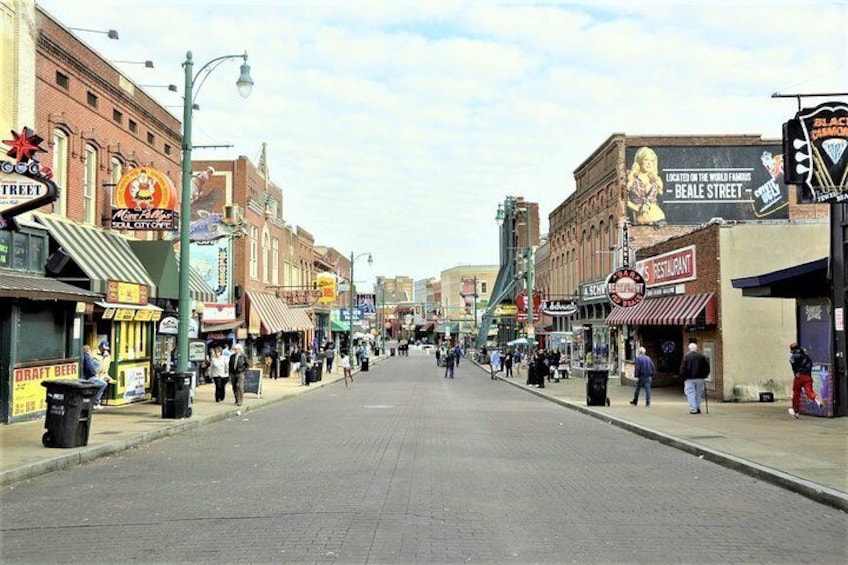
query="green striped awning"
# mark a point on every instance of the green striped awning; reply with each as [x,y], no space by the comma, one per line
[101,254]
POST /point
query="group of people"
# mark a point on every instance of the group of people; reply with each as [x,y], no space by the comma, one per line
[449,357]
[226,366]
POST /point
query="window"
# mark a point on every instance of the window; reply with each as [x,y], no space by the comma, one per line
[23,251]
[167,149]
[62,80]
[150,138]
[60,171]
[89,184]
[266,252]
[484,287]
[254,252]
[133,126]
[117,116]
[92,99]
[275,261]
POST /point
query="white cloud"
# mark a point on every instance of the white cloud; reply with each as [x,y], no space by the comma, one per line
[397,127]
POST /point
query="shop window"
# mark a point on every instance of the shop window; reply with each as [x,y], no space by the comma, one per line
[5,241]
[42,332]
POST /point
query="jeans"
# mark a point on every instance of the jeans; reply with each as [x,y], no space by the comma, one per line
[643,383]
[694,389]
[101,386]
[237,380]
[220,387]
[330,364]
[449,371]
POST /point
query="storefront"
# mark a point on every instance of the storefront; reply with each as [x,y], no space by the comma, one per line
[592,345]
[40,324]
[273,325]
[103,262]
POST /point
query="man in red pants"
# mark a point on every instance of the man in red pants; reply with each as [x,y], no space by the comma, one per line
[802,368]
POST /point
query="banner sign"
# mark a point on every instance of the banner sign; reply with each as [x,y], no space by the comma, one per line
[692,185]
[299,297]
[326,283]
[126,292]
[816,160]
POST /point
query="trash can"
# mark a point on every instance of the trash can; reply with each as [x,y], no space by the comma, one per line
[175,393]
[596,387]
[68,415]
[319,371]
[392,350]
[285,368]
[364,364]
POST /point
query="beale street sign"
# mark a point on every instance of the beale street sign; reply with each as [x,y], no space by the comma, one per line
[24,184]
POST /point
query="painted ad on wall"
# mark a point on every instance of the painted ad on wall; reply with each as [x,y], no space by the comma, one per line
[692,185]
[212,261]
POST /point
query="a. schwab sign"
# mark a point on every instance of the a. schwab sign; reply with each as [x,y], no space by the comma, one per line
[692,185]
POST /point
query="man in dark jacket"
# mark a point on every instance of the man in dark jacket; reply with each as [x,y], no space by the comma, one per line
[643,373]
[238,367]
[694,370]
[802,368]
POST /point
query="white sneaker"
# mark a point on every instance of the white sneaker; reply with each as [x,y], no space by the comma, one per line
[98,407]
[793,413]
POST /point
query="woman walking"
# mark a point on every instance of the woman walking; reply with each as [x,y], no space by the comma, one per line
[346,369]
[219,371]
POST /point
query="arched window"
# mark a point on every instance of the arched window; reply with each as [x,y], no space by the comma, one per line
[266,255]
[275,261]
[89,185]
[60,170]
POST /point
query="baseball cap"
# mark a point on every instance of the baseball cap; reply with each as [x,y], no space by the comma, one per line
[104,345]
[793,345]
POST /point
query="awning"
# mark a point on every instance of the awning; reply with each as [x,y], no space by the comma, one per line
[808,280]
[100,254]
[16,285]
[426,327]
[339,326]
[680,310]
[162,264]
[299,320]
[222,327]
[144,307]
[453,327]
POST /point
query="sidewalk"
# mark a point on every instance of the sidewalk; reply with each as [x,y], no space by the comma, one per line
[808,456]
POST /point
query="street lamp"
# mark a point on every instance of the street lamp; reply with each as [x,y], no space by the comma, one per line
[352,300]
[111,33]
[244,85]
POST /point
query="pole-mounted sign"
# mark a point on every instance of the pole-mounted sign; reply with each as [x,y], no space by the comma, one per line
[814,148]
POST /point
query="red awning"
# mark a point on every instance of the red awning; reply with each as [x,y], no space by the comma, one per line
[680,310]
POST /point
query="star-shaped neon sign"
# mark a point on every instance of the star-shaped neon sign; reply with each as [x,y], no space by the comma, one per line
[24,145]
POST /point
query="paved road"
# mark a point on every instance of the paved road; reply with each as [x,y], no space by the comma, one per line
[407,467]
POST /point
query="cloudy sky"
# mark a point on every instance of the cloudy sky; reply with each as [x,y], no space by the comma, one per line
[398,126]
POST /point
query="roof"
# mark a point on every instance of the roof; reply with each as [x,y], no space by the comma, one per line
[807,280]
[20,285]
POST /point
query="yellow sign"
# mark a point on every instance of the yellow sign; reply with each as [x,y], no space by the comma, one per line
[27,393]
[124,315]
[506,310]
[126,292]
[326,283]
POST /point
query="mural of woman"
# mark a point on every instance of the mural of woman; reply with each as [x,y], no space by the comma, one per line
[644,186]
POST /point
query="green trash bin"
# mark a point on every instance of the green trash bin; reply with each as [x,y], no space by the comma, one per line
[67,419]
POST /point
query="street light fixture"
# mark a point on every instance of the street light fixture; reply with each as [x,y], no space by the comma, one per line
[170,87]
[112,34]
[148,64]
[244,85]
[352,300]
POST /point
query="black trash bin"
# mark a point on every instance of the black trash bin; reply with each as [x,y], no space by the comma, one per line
[68,414]
[392,351]
[364,364]
[319,371]
[596,387]
[285,368]
[175,394]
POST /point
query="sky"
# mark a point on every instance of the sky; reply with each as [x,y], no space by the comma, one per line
[396,127]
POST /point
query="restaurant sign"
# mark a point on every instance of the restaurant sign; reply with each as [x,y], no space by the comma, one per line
[669,268]
[144,200]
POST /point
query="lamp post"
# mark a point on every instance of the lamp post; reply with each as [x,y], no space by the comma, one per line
[353,300]
[508,211]
[245,85]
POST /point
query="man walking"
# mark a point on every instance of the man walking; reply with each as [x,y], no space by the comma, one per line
[450,359]
[238,367]
[330,354]
[644,372]
[694,370]
[802,368]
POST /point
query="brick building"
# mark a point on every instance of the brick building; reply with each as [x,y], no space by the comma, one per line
[663,188]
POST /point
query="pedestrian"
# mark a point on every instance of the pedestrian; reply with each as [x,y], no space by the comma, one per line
[330,354]
[450,360]
[644,372]
[507,363]
[541,368]
[303,359]
[274,358]
[90,368]
[457,354]
[496,361]
[694,369]
[219,371]
[802,368]
[345,361]
[438,356]
[238,367]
